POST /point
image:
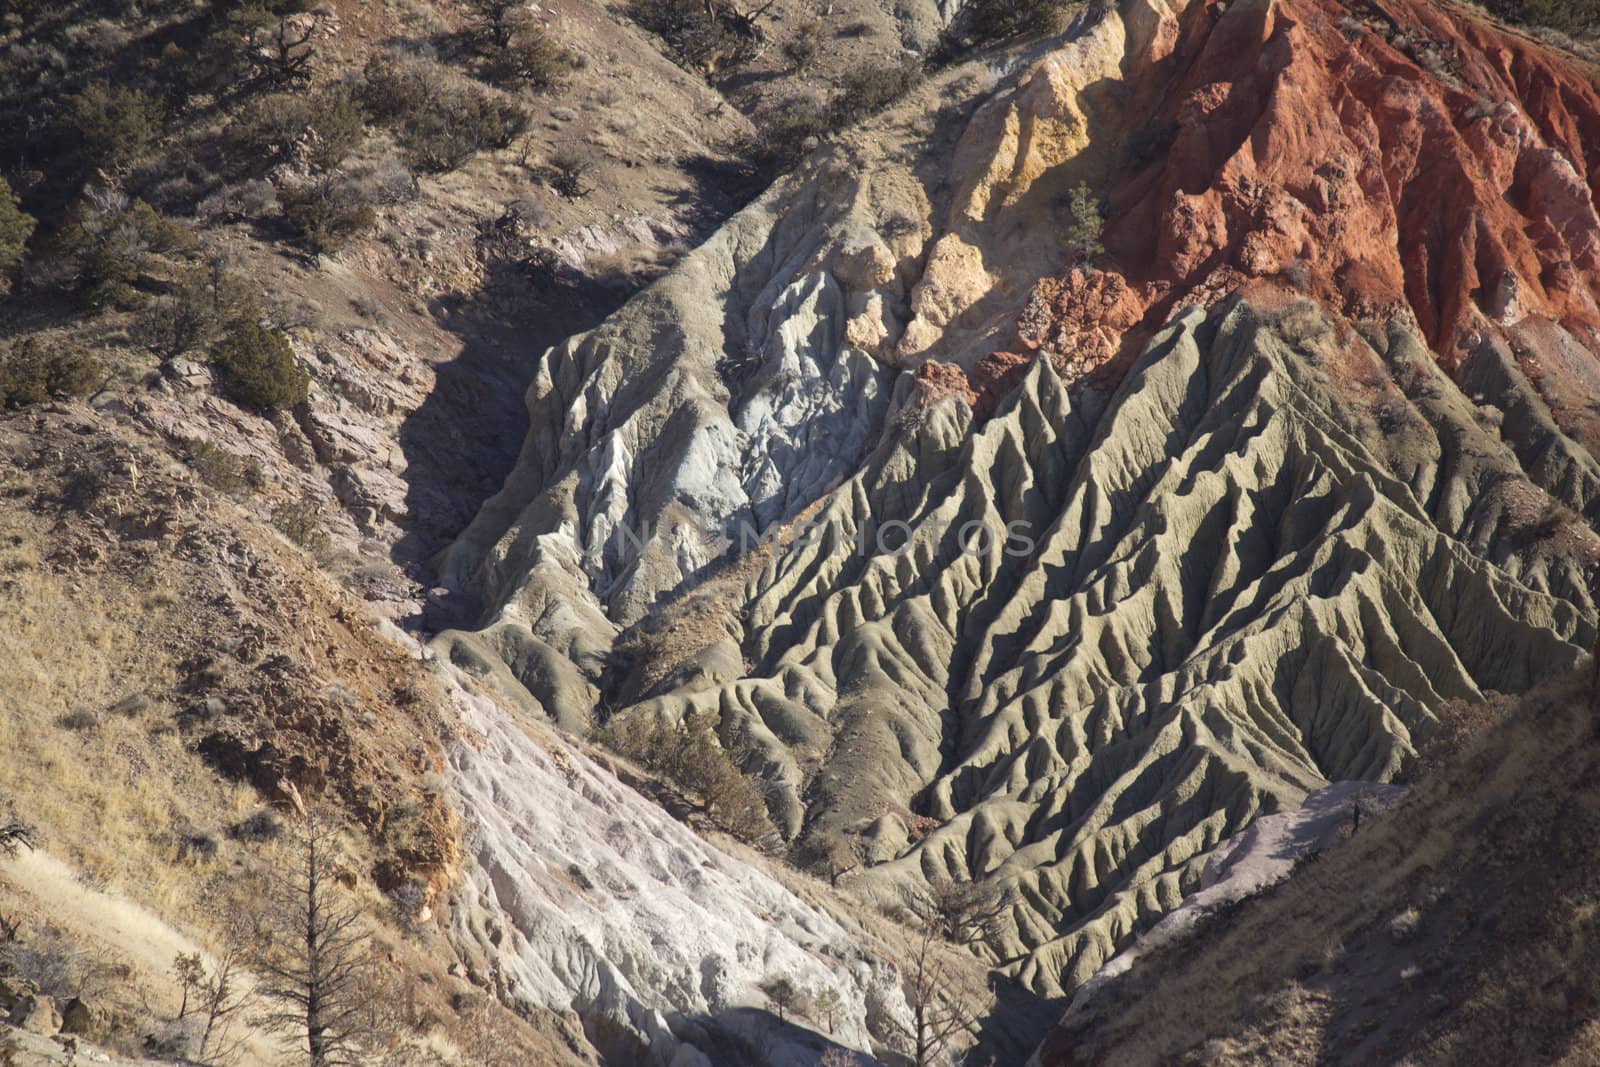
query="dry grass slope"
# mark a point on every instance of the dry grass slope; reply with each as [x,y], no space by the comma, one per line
[168,670]
[1464,928]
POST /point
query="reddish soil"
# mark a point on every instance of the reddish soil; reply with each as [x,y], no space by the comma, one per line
[1383,157]
[994,376]
[281,679]
[936,380]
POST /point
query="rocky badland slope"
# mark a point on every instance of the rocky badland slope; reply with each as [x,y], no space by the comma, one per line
[585,896]
[998,545]
[185,668]
[1303,455]
[1458,928]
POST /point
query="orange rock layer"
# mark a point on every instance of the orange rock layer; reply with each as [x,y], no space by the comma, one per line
[1387,157]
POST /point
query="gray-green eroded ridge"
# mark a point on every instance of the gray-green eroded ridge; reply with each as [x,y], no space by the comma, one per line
[1242,583]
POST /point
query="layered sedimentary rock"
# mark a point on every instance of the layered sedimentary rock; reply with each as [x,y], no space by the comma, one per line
[728,386]
[1073,569]
[1388,158]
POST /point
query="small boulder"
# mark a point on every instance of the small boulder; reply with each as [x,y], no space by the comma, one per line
[865,266]
[189,373]
[36,1014]
[79,1016]
[12,990]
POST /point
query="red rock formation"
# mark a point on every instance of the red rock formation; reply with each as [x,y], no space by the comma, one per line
[995,375]
[991,379]
[936,380]
[1084,319]
[1384,157]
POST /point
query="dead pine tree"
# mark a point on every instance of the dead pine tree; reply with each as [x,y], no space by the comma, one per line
[220,994]
[736,20]
[225,995]
[285,54]
[946,914]
[14,835]
[833,854]
[939,1012]
[963,913]
[313,955]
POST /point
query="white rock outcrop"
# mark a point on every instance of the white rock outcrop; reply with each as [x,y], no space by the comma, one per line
[583,896]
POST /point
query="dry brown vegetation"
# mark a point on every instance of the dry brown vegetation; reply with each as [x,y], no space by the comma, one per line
[690,756]
[1460,928]
[68,656]
[140,646]
[173,681]
[250,185]
[132,683]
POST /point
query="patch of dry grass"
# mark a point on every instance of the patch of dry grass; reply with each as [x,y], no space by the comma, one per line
[111,796]
[1463,927]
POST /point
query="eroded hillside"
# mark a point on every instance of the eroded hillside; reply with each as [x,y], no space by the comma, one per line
[1104,435]
[1301,456]
[1459,927]
[274,279]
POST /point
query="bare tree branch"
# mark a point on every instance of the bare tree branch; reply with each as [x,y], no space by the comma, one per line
[14,833]
[313,959]
[963,913]
[960,913]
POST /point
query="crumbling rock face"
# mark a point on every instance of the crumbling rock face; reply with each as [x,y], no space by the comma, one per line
[758,374]
[1085,317]
[1083,567]
[729,382]
[1388,157]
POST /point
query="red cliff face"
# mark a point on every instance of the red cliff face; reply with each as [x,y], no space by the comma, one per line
[983,388]
[1386,158]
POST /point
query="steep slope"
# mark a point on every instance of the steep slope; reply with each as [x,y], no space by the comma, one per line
[177,675]
[991,556]
[1303,457]
[1396,156]
[174,680]
[1225,598]
[1459,928]
[584,897]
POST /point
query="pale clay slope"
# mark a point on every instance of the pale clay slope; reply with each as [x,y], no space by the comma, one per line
[1240,586]
[583,896]
[757,374]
